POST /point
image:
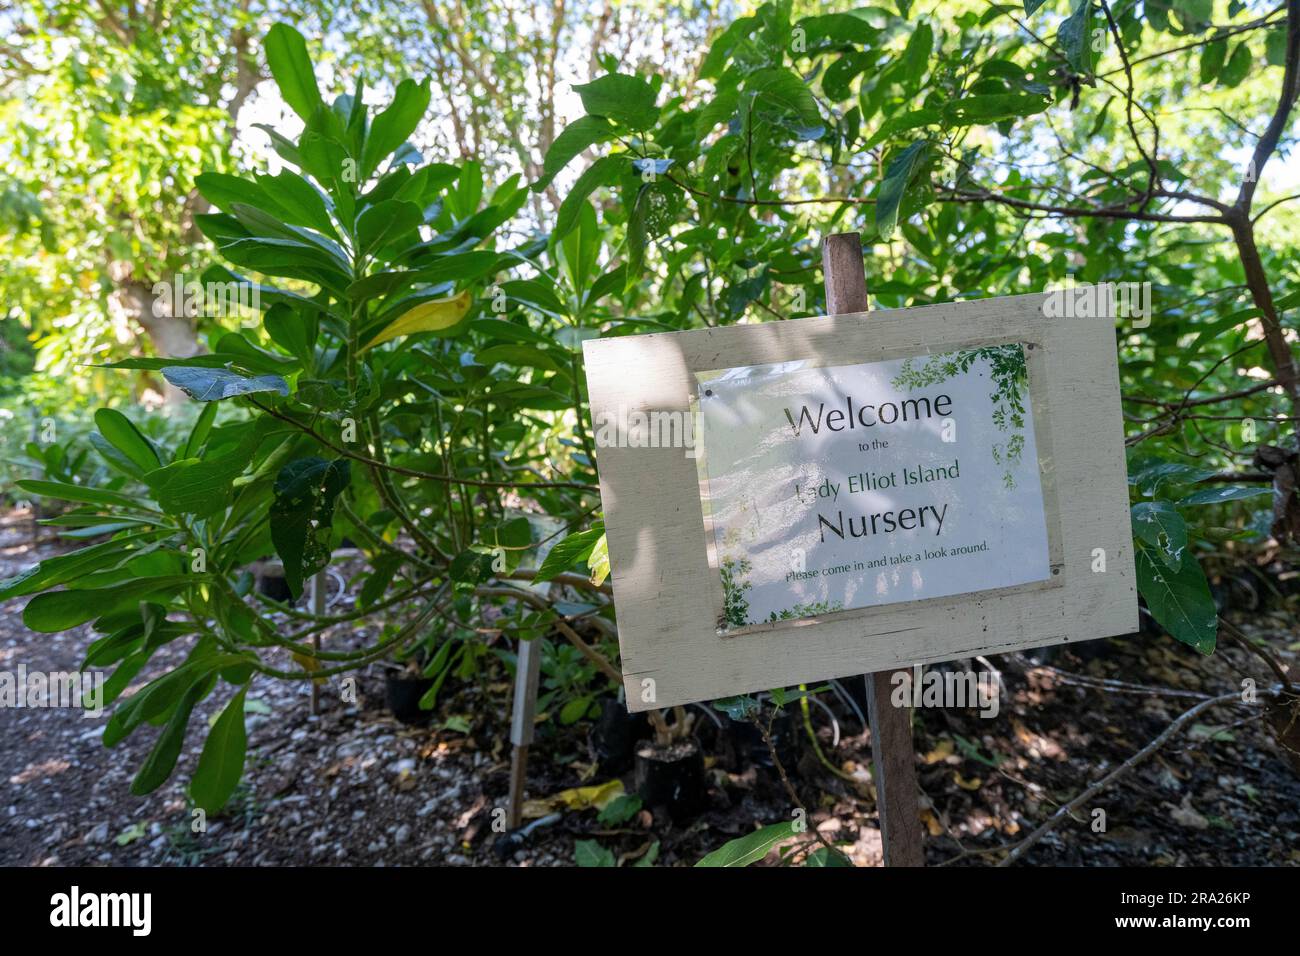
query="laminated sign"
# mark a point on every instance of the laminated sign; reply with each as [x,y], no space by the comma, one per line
[790,502]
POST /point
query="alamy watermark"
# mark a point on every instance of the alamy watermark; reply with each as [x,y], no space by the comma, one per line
[645,429]
[1085,300]
[921,688]
[216,300]
[40,689]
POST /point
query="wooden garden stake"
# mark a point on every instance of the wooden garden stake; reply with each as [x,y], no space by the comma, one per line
[891,727]
[527,671]
[318,608]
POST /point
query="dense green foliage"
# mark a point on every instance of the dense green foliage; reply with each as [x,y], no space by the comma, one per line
[411,376]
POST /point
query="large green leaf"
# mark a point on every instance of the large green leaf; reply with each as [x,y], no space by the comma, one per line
[67,568]
[157,767]
[570,551]
[602,172]
[992,108]
[781,93]
[898,174]
[214,384]
[122,434]
[627,100]
[68,492]
[302,513]
[286,54]
[751,847]
[1215,496]
[1178,597]
[1076,37]
[584,132]
[1159,525]
[60,610]
[391,128]
[222,762]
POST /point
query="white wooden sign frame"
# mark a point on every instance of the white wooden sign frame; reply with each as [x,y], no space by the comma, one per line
[667,592]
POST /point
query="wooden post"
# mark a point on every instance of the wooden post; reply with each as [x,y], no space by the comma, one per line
[318,587]
[524,710]
[891,727]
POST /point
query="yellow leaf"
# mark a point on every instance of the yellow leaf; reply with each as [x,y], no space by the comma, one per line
[941,752]
[972,784]
[932,823]
[310,664]
[431,316]
[577,798]
[599,561]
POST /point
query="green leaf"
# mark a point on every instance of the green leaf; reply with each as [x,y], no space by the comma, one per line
[1213,56]
[66,568]
[574,710]
[386,221]
[600,173]
[598,561]
[903,123]
[627,100]
[286,54]
[1178,598]
[214,384]
[119,431]
[1075,37]
[824,856]
[199,433]
[751,847]
[222,762]
[1275,46]
[302,513]
[992,108]
[1238,67]
[579,135]
[619,810]
[393,126]
[1032,5]
[783,91]
[68,492]
[296,200]
[569,551]
[60,610]
[590,853]
[1149,477]
[1214,496]
[917,55]
[157,767]
[1159,525]
[898,174]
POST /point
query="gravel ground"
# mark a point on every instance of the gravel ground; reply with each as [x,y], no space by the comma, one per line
[353,786]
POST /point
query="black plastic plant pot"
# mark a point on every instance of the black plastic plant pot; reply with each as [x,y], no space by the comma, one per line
[614,737]
[275,587]
[752,748]
[403,695]
[672,778]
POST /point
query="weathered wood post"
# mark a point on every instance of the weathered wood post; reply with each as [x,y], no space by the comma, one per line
[527,671]
[318,587]
[891,727]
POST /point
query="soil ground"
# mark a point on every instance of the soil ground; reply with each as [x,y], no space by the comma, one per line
[353,786]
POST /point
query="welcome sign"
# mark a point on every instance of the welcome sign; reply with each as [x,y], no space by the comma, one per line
[858,493]
[828,489]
